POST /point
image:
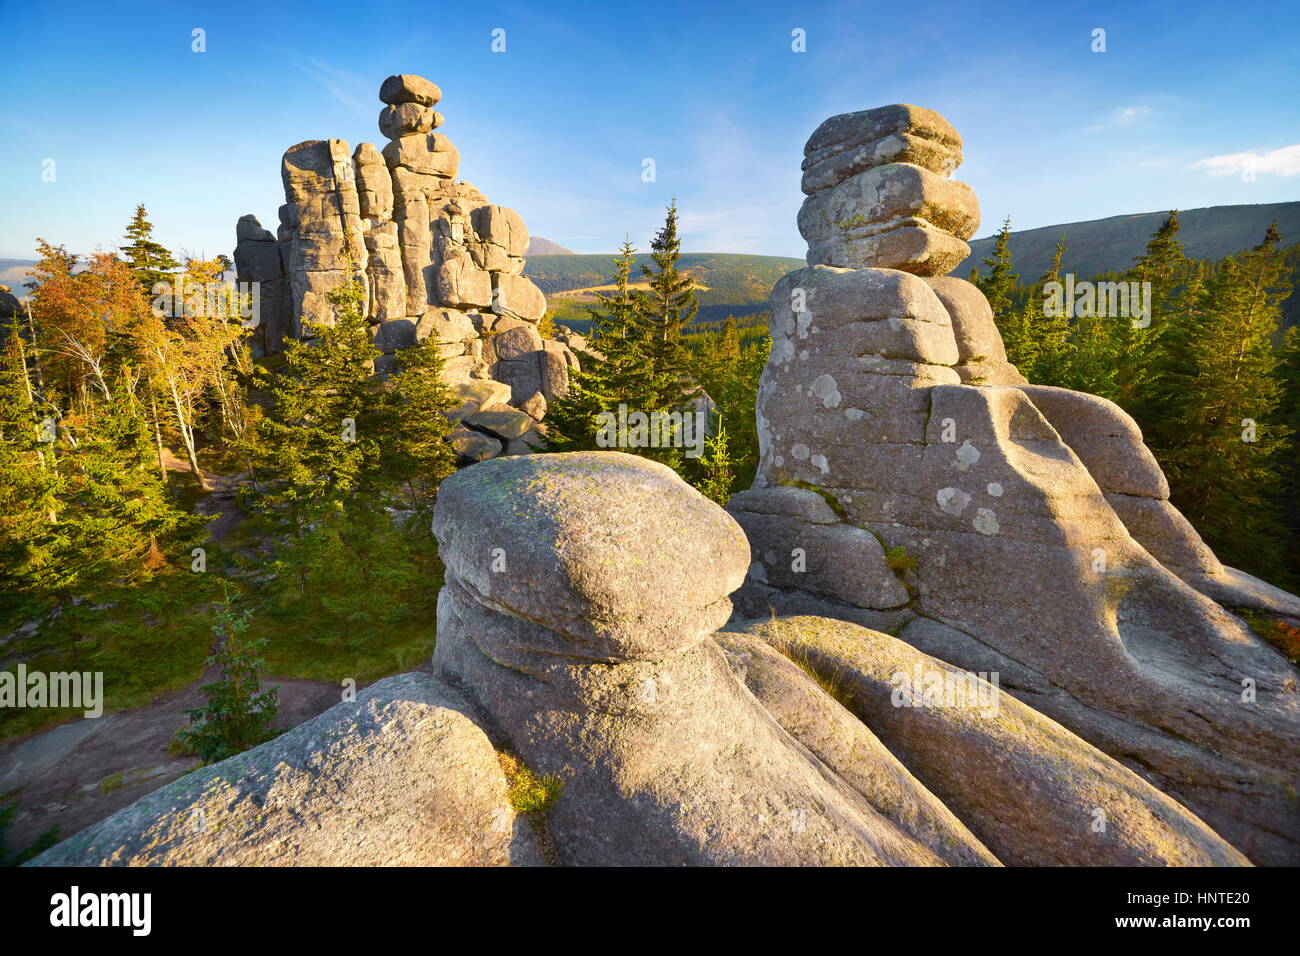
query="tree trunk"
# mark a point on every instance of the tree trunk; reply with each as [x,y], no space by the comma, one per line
[187,439]
[157,438]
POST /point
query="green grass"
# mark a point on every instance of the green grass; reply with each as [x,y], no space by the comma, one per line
[292,652]
[154,637]
[151,638]
[114,781]
[899,559]
[529,793]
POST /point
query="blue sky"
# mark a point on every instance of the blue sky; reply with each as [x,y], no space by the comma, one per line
[558,125]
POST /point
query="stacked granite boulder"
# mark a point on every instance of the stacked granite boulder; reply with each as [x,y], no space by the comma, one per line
[1018,529]
[434,258]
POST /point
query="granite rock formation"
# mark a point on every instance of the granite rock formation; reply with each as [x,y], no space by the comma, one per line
[434,257]
[1030,527]
[577,635]
[932,633]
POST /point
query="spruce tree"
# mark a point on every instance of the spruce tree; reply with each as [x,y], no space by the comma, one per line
[335,438]
[416,455]
[151,262]
[609,377]
[1137,350]
[1225,471]
[29,482]
[117,514]
[312,448]
[238,713]
[716,468]
[668,306]
[999,285]
[1047,336]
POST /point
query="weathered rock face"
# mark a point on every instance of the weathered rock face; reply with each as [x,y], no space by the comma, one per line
[10,305]
[1034,793]
[435,257]
[981,356]
[1030,521]
[402,776]
[322,211]
[580,596]
[878,192]
[576,634]
[1109,443]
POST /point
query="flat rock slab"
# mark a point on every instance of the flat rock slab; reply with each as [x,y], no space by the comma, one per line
[400,776]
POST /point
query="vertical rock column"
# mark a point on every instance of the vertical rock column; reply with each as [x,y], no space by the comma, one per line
[322,220]
[258,258]
[385,275]
[437,258]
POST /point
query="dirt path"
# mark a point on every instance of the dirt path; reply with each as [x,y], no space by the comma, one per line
[221,501]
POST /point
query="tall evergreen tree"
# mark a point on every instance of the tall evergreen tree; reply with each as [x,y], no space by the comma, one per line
[607,377]
[1137,353]
[1046,336]
[151,261]
[333,438]
[310,450]
[1225,472]
[668,306]
[417,456]
[29,480]
[999,286]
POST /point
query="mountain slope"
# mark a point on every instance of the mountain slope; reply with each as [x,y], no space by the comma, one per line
[537,246]
[728,283]
[1110,245]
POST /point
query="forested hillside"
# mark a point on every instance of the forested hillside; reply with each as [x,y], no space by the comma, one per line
[726,283]
[1110,245]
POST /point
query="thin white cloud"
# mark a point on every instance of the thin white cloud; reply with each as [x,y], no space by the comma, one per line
[1120,116]
[1129,114]
[1281,162]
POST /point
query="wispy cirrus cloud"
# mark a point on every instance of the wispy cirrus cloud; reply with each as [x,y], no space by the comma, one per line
[354,92]
[1130,114]
[1281,162]
[1120,116]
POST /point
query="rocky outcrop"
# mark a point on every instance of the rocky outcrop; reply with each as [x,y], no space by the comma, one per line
[402,776]
[577,640]
[878,192]
[1109,443]
[1030,527]
[11,307]
[1034,793]
[434,256]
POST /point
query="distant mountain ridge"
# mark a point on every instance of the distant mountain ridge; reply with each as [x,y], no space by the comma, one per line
[537,246]
[1111,244]
[731,283]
